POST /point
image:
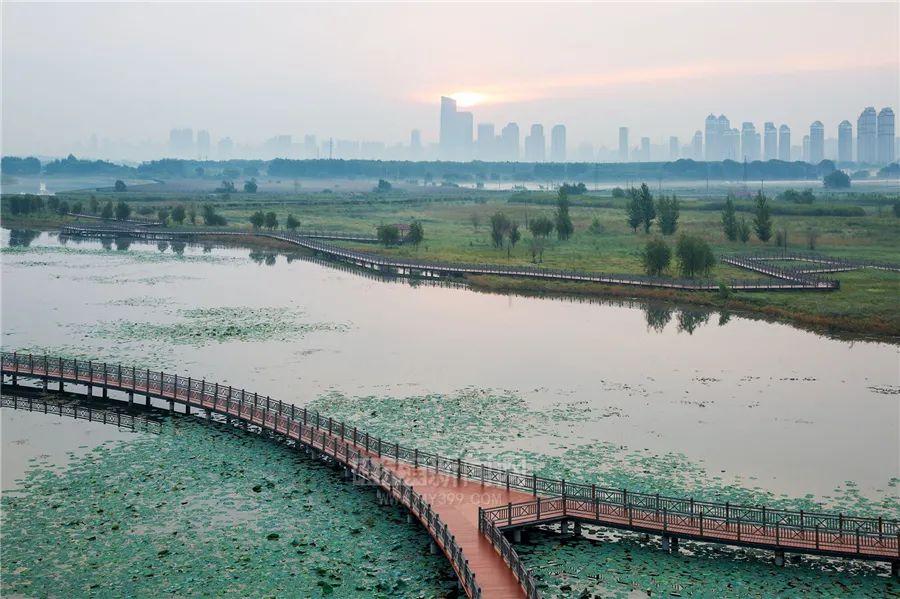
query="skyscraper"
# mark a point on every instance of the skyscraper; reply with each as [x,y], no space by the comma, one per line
[784,143]
[311,147]
[203,144]
[804,154]
[673,148]
[645,149]
[726,141]
[845,142]
[749,142]
[225,148]
[816,142]
[770,141]
[455,141]
[697,146]
[866,140]
[558,143]
[181,143]
[886,136]
[509,142]
[623,144]
[535,145]
[712,138]
[484,144]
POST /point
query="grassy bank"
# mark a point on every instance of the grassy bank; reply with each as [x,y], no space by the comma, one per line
[456,224]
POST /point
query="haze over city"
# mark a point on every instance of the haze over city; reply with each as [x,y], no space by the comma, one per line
[111,81]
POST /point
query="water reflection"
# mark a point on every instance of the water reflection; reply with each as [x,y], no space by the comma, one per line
[690,320]
[657,316]
[22,237]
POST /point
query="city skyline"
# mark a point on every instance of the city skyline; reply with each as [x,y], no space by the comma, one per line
[293,75]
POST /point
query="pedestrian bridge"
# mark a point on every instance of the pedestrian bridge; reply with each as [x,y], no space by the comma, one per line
[471,510]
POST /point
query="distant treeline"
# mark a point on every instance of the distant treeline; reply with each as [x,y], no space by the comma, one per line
[435,171]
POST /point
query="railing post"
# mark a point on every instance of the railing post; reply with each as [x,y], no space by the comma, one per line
[216,397]
[509,514]
[189,385]
[458,468]
[415,453]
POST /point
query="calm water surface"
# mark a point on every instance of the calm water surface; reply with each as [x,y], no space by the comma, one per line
[783,409]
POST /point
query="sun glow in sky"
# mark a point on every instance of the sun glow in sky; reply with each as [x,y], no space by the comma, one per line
[468,98]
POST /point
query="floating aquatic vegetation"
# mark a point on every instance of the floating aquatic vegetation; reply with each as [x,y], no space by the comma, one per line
[200,326]
[142,301]
[605,563]
[125,254]
[207,510]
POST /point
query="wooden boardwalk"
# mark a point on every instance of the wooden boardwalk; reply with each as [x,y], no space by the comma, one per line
[406,267]
[469,509]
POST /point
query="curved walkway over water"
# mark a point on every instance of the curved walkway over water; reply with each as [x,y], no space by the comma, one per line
[314,242]
[468,508]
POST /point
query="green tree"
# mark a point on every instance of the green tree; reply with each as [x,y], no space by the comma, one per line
[475,219]
[119,185]
[762,218]
[192,215]
[668,209]
[743,230]
[564,227]
[648,208]
[836,180]
[178,214]
[513,235]
[62,207]
[257,219]
[729,219]
[271,221]
[537,245]
[540,226]
[656,256]
[123,210]
[383,186]
[250,186]
[94,204]
[162,215]
[77,208]
[211,218]
[499,226]
[618,192]
[292,223]
[633,209]
[695,257]
[416,234]
[108,210]
[388,234]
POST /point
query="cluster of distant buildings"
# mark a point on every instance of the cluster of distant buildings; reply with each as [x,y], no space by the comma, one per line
[460,139]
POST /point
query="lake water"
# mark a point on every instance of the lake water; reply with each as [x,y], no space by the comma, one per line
[672,400]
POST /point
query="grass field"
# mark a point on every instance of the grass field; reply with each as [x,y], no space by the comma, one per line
[867,302]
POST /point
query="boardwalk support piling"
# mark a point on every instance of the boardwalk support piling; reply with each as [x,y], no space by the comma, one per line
[779,558]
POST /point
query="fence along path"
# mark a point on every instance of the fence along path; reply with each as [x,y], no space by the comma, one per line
[455,500]
[311,241]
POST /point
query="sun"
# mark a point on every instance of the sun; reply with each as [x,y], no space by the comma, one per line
[467,98]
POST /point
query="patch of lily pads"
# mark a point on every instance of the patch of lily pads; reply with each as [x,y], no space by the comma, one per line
[201,326]
[208,510]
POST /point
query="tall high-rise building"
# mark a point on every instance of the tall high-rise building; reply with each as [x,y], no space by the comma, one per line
[712,138]
[485,142]
[845,142]
[866,137]
[535,145]
[203,144]
[623,144]
[455,141]
[749,142]
[674,148]
[509,142]
[558,143]
[804,154]
[727,142]
[225,148]
[784,143]
[310,146]
[181,143]
[886,136]
[816,142]
[770,141]
[645,149]
[697,146]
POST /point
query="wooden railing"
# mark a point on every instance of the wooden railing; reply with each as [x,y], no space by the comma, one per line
[384,262]
[795,530]
[820,258]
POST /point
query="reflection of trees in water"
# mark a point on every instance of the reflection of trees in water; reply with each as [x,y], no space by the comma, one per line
[123,244]
[724,317]
[162,246]
[658,316]
[106,242]
[691,320]
[178,247]
[22,237]
[263,257]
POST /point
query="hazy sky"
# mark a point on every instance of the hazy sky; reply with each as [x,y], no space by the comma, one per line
[373,72]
